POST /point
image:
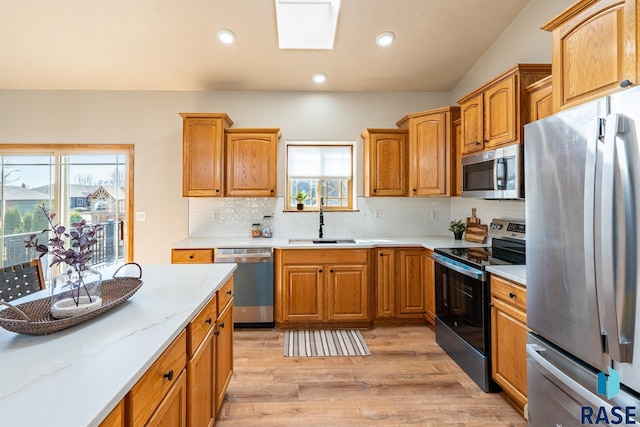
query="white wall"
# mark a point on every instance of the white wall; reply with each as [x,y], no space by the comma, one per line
[150,120]
[522,42]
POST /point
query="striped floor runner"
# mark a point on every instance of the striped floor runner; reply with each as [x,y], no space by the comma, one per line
[348,342]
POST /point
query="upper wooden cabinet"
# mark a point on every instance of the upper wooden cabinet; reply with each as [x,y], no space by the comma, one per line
[431,151]
[202,151]
[595,50]
[251,162]
[540,99]
[494,114]
[385,161]
[457,132]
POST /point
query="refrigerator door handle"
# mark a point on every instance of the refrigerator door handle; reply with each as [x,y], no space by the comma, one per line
[594,133]
[619,269]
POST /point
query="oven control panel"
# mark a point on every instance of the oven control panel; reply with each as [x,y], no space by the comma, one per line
[507,228]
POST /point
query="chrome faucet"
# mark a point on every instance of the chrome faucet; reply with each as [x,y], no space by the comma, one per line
[320,232]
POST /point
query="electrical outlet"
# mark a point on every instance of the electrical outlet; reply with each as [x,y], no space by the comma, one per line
[141,216]
[215,216]
[368,215]
[434,214]
[378,213]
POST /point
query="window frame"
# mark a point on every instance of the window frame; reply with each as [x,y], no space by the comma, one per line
[351,197]
[83,149]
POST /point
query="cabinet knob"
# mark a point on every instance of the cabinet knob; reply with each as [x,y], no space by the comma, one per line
[320,271]
[190,256]
[222,325]
[217,190]
[228,292]
[485,141]
[209,321]
[512,295]
[477,142]
[626,83]
[381,254]
[415,190]
[375,189]
[216,333]
[168,375]
[330,271]
[272,190]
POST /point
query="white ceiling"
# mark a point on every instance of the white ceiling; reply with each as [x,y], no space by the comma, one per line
[171,45]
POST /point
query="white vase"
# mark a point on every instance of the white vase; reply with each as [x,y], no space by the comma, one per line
[74,293]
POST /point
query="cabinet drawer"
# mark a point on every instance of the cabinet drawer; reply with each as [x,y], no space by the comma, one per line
[191,256]
[225,293]
[324,256]
[149,391]
[200,326]
[509,292]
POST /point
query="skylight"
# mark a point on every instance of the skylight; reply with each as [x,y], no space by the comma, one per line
[307,24]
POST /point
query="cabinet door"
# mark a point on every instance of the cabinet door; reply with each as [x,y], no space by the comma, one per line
[385,283]
[594,50]
[412,281]
[540,99]
[116,417]
[500,113]
[202,156]
[348,292]
[457,134]
[302,293]
[201,387]
[508,347]
[224,353]
[472,116]
[251,163]
[429,154]
[386,169]
[430,289]
[172,411]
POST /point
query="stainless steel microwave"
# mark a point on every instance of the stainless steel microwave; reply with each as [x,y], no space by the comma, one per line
[495,174]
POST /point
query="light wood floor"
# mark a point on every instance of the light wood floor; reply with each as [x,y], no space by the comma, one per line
[407,380]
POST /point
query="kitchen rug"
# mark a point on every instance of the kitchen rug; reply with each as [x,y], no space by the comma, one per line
[346,342]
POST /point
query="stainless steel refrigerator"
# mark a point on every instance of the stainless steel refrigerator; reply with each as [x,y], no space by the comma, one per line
[582,192]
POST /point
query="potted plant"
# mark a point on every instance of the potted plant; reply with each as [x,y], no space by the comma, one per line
[77,289]
[301,196]
[457,227]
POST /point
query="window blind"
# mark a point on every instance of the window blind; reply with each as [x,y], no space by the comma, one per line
[319,161]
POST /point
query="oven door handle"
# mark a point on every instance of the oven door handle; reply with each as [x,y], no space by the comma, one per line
[460,267]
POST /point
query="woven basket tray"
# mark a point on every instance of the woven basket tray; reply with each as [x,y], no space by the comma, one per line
[114,293]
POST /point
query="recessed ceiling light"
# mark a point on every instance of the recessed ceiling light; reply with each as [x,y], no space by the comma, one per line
[319,77]
[226,36]
[385,39]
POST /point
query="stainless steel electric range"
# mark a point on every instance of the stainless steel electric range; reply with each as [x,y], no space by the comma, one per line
[463,315]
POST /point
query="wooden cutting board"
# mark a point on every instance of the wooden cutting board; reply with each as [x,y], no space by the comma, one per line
[476,232]
[473,219]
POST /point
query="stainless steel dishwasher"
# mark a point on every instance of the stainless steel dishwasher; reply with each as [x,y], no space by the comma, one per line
[253,281]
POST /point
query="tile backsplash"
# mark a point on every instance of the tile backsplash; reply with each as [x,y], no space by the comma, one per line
[376,217]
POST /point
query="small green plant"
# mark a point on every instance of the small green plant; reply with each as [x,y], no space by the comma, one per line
[457,226]
[301,196]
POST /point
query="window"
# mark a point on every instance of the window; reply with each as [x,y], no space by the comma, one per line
[321,171]
[80,182]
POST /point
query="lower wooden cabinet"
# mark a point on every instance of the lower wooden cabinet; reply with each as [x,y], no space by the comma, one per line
[224,352]
[116,417]
[430,288]
[509,339]
[191,256]
[172,411]
[318,286]
[186,385]
[401,278]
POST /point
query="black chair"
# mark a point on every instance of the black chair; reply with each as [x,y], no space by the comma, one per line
[20,280]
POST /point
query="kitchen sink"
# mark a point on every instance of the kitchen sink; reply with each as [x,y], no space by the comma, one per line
[322,241]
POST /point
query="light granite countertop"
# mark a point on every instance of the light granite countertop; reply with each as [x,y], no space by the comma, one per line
[429,242]
[77,376]
[516,273]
